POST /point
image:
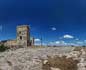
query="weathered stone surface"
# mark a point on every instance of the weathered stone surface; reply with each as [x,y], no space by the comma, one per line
[55,68]
[23,35]
[28,58]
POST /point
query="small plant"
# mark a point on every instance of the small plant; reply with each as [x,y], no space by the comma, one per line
[3,48]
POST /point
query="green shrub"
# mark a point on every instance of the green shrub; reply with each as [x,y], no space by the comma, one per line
[3,48]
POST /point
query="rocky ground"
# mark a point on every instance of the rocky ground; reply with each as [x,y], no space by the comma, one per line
[34,58]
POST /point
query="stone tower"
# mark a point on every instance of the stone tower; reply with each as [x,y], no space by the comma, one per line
[23,35]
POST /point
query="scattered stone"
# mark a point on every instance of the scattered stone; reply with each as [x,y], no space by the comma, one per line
[55,68]
[29,58]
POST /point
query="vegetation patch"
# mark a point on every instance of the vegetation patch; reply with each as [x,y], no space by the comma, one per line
[3,48]
[77,48]
[62,63]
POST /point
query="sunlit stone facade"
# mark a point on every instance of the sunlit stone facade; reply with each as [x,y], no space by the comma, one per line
[22,37]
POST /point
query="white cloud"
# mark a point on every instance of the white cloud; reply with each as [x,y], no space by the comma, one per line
[80,42]
[37,44]
[0,27]
[57,42]
[68,36]
[73,44]
[85,41]
[37,40]
[63,43]
[77,39]
[60,43]
[53,28]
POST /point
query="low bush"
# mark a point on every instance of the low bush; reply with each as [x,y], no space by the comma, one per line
[62,63]
[77,48]
[3,48]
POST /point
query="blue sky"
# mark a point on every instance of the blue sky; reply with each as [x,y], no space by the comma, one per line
[53,19]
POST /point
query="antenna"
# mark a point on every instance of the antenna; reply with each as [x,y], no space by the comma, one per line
[41,40]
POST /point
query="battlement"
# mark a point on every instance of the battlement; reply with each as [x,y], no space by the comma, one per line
[23,26]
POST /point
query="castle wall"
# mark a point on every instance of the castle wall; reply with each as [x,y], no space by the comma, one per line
[10,43]
[23,38]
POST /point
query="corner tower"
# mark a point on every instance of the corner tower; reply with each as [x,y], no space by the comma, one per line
[23,35]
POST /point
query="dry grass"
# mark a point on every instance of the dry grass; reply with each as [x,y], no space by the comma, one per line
[77,48]
[60,62]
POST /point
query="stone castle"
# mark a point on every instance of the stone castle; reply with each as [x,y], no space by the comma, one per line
[23,38]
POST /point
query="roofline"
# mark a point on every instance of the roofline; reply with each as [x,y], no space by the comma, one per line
[23,26]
